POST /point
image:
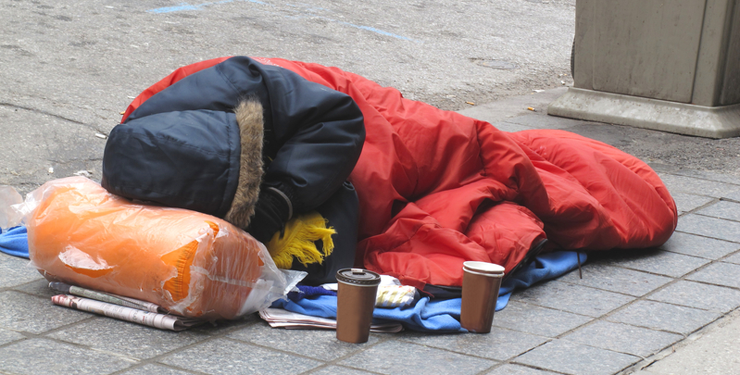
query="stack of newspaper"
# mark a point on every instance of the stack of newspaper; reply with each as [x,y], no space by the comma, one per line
[123,308]
[279,318]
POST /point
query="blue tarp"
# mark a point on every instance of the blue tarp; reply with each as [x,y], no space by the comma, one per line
[444,315]
[14,241]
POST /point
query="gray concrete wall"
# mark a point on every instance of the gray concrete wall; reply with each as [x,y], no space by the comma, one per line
[682,51]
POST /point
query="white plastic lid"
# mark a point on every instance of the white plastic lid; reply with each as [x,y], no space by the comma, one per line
[483,267]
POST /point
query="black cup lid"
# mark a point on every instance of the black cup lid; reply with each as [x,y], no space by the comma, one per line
[358,276]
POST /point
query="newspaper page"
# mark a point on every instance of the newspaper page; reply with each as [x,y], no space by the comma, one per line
[105,297]
[281,318]
[148,318]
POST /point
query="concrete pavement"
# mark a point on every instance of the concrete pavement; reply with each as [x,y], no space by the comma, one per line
[68,68]
[713,350]
[629,310]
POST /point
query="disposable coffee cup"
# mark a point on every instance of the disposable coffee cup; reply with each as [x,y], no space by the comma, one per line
[481,283]
[355,303]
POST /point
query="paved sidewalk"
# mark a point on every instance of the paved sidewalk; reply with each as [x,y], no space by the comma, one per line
[628,308]
[714,350]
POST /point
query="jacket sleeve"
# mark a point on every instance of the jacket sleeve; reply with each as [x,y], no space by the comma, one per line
[318,135]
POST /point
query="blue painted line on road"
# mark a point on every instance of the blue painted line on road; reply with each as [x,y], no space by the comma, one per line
[381,32]
[186,6]
[176,8]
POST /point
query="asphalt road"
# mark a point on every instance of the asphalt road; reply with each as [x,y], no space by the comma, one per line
[67,68]
[70,67]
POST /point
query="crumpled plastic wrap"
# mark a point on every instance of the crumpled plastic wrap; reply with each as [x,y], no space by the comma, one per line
[189,263]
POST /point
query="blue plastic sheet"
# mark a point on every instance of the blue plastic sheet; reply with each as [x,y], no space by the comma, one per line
[14,241]
[444,315]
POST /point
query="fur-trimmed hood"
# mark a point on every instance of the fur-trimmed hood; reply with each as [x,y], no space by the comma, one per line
[192,141]
[249,116]
[203,160]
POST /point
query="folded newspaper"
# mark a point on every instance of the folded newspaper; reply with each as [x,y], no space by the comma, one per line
[279,318]
[149,314]
[118,307]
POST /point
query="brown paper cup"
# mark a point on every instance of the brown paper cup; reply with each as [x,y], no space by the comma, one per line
[481,283]
[356,297]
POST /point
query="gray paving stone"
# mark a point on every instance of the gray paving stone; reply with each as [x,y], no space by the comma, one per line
[708,175]
[7,336]
[41,356]
[572,358]
[334,370]
[654,261]
[537,320]
[394,357]
[37,287]
[21,312]
[645,372]
[511,127]
[318,344]
[573,298]
[604,276]
[664,263]
[715,352]
[689,244]
[222,356]
[623,338]
[683,184]
[508,369]
[709,227]
[16,271]
[700,296]
[719,273]
[663,316]
[544,122]
[735,195]
[722,210]
[153,368]
[221,327]
[500,344]
[130,339]
[733,259]
[686,202]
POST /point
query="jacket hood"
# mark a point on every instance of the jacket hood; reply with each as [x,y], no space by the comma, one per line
[249,116]
[202,160]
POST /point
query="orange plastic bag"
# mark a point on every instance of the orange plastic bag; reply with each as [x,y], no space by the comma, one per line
[189,263]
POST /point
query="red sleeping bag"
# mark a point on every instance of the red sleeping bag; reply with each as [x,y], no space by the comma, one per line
[437,188]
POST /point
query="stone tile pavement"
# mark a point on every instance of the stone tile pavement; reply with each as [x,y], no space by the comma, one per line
[628,307]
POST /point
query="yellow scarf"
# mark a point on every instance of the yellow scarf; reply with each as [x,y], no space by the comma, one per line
[299,241]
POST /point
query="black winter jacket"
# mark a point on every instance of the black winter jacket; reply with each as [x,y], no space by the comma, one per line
[201,143]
